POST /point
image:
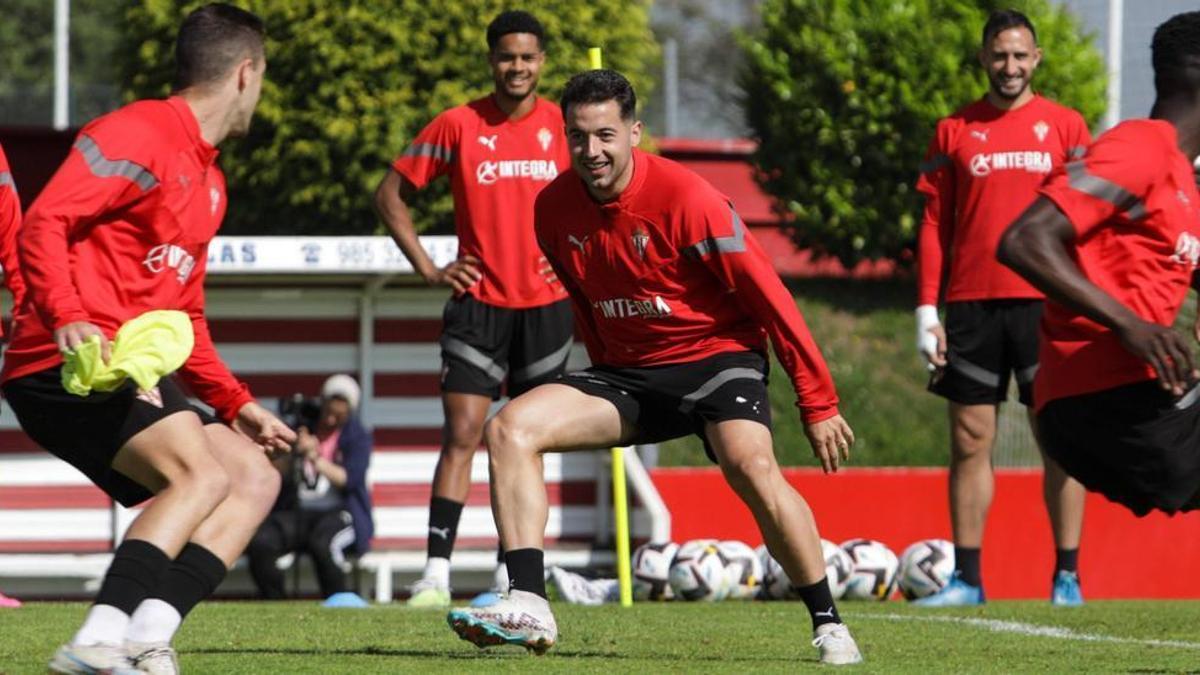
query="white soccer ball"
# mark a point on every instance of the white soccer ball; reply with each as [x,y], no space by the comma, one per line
[925,567]
[743,569]
[651,570]
[698,572]
[777,586]
[874,573]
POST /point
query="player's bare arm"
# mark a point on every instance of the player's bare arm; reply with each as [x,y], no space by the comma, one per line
[1035,246]
[390,203]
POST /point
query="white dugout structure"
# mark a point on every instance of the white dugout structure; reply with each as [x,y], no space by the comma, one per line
[286,312]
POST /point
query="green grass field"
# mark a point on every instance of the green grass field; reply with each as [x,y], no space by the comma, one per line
[1008,637]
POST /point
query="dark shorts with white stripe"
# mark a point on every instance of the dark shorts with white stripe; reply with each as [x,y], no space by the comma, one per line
[483,345]
[88,431]
[671,401]
[986,341]
[1136,444]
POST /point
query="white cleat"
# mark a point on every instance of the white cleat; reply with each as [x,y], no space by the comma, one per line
[158,658]
[92,659]
[520,618]
[579,590]
[836,645]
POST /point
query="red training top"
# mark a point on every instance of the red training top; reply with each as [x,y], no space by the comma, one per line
[121,229]
[1136,212]
[497,166]
[983,168]
[668,273]
[10,223]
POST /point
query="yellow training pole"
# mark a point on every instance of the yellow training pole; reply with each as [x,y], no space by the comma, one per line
[620,503]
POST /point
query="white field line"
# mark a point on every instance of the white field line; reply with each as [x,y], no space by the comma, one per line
[1030,629]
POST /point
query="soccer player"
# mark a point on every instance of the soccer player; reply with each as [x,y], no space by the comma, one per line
[123,228]
[983,167]
[1114,241]
[508,318]
[10,222]
[675,301]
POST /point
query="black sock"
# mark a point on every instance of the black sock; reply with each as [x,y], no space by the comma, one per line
[819,601]
[500,554]
[966,563]
[527,570]
[193,576]
[135,572]
[1066,560]
[443,527]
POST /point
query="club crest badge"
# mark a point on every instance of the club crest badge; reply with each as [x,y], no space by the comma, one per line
[152,396]
[640,240]
[1040,130]
[545,137]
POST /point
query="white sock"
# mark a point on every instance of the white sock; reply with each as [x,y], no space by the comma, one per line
[438,569]
[104,624]
[153,621]
[500,578]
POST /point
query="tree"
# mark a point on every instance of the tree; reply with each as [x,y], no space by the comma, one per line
[844,96]
[351,82]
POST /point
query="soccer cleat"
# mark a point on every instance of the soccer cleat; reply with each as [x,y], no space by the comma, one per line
[835,644]
[956,593]
[487,598]
[1066,592]
[579,590]
[520,618]
[6,601]
[91,659]
[345,599]
[429,594]
[153,657]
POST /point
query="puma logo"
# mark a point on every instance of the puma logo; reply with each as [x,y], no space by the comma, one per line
[827,613]
[489,141]
[981,135]
[578,242]
[443,532]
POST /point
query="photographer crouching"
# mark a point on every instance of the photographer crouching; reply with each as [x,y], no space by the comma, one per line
[324,507]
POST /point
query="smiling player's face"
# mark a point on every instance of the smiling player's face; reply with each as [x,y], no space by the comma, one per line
[516,64]
[601,145]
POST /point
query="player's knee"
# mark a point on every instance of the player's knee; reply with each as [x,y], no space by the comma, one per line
[257,482]
[209,483]
[463,438]
[506,437]
[749,474]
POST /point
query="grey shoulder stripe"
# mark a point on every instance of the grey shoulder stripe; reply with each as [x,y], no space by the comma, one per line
[103,167]
[1076,152]
[688,403]
[6,180]
[1102,188]
[734,243]
[936,162]
[439,152]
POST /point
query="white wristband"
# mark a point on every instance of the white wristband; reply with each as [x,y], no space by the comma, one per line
[927,318]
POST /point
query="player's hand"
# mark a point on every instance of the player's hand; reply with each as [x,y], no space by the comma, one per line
[266,430]
[1165,350]
[459,275]
[831,440]
[76,333]
[931,337]
[547,271]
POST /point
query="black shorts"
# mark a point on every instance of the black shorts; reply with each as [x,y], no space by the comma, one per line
[482,345]
[671,401]
[1136,444]
[87,431]
[986,340]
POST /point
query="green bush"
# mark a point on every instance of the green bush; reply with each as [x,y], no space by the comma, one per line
[843,97]
[351,82]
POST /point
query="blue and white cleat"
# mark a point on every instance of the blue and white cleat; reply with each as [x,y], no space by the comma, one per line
[520,618]
[487,598]
[956,593]
[89,659]
[1066,592]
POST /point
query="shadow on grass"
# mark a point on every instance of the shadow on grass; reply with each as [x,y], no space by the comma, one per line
[470,656]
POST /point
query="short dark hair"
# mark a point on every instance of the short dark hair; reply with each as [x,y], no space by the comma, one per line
[598,86]
[1176,55]
[1004,19]
[514,21]
[213,39]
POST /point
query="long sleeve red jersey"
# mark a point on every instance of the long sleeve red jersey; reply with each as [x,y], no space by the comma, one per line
[668,273]
[122,228]
[983,168]
[10,222]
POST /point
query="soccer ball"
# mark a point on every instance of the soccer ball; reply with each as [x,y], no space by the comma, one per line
[651,568]
[777,586]
[874,573]
[743,569]
[698,572]
[925,567]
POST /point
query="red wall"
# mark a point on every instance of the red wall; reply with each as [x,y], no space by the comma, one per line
[1121,556]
